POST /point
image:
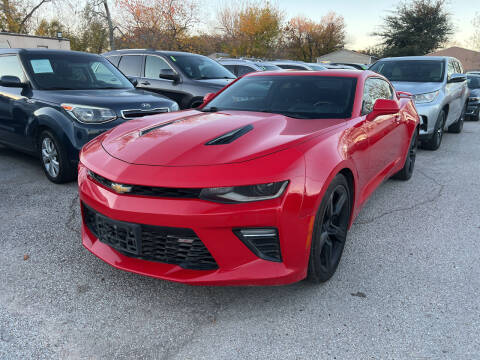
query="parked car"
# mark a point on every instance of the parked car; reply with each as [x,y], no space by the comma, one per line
[297,65]
[352,65]
[439,89]
[240,67]
[473,107]
[52,102]
[181,76]
[338,67]
[258,186]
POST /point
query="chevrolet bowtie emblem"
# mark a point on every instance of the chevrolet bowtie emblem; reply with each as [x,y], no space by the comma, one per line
[121,189]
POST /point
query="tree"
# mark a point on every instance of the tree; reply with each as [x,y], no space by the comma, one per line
[15,15]
[162,24]
[416,28]
[251,29]
[306,39]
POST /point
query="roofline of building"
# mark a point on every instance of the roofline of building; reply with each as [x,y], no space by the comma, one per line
[34,36]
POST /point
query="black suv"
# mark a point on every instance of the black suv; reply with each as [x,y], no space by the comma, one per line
[52,102]
[183,77]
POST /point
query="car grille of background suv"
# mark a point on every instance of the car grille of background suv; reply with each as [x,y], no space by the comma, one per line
[177,246]
[136,113]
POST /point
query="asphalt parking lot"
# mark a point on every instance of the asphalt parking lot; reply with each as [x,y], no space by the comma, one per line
[408,285]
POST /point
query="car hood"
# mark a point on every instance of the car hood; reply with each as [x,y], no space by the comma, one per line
[416,88]
[180,139]
[117,99]
[216,83]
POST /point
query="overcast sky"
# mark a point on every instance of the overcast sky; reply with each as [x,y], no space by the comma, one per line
[363,17]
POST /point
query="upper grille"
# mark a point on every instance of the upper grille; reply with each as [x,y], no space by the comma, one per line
[177,246]
[136,113]
[184,193]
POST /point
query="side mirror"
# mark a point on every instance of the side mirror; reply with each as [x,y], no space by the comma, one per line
[383,107]
[12,81]
[169,74]
[133,80]
[457,78]
[208,97]
[403,94]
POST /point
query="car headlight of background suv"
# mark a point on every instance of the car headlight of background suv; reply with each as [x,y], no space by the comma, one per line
[243,194]
[425,98]
[89,114]
[174,107]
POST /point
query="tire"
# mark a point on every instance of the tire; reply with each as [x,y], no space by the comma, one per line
[407,170]
[330,231]
[457,126]
[436,140]
[54,160]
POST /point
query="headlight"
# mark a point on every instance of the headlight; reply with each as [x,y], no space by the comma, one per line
[89,114]
[174,107]
[425,98]
[474,99]
[243,194]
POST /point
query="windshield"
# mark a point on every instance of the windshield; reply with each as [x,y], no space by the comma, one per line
[74,72]
[411,70]
[473,81]
[266,67]
[199,67]
[303,97]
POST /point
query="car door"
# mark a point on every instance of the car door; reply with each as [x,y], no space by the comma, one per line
[131,66]
[385,135]
[13,105]
[151,80]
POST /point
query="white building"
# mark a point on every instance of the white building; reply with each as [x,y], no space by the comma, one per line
[346,56]
[12,40]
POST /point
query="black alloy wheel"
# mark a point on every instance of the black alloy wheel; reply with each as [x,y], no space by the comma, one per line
[330,231]
[407,170]
[436,140]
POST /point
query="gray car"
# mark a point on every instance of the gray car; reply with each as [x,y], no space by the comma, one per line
[240,67]
[439,88]
[297,65]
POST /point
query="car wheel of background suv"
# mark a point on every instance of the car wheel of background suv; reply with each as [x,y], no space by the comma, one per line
[330,231]
[407,170]
[54,159]
[457,126]
[436,140]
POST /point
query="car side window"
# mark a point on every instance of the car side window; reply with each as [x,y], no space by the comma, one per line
[114,60]
[10,65]
[450,69]
[231,68]
[375,88]
[131,65]
[154,65]
[459,67]
[242,70]
[102,73]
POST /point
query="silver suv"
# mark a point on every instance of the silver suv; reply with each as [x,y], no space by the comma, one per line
[439,89]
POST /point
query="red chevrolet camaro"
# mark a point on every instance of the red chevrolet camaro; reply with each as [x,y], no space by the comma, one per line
[256,187]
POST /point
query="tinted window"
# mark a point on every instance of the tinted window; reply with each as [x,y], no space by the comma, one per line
[473,81]
[242,70]
[114,60]
[375,89]
[131,65]
[231,68]
[268,67]
[50,71]
[154,65]
[305,97]
[411,70]
[451,68]
[10,65]
[201,67]
[294,67]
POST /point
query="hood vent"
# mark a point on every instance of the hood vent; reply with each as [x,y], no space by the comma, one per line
[146,131]
[230,136]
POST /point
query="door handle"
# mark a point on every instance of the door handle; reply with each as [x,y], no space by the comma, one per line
[145,83]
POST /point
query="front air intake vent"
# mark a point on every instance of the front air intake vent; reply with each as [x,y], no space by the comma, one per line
[230,136]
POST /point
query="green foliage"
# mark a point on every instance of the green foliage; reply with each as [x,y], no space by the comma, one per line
[416,28]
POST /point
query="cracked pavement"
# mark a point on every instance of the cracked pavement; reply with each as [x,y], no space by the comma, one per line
[407,286]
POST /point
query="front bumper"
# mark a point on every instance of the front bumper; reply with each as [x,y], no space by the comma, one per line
[213,223]
[428,113]
[473,109]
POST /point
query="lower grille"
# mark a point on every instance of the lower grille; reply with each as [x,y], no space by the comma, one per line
[177,246]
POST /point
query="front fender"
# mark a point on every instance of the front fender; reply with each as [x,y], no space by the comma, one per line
[54,120]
